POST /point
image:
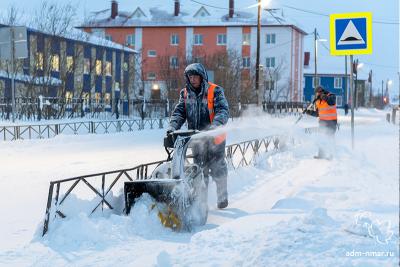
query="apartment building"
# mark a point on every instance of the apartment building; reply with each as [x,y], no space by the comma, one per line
[171,34]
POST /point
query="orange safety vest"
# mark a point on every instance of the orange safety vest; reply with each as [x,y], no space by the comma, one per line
[326,112]
[210,104]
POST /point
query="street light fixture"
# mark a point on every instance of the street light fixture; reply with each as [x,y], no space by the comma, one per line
[260,4]
[316,40]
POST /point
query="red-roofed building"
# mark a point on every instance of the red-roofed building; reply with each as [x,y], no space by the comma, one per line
[171,34]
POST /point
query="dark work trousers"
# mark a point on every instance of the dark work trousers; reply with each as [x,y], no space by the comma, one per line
[327,130]
[212,158]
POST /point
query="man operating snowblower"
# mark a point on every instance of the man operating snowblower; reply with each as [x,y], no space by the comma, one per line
[325,104]
[204,106]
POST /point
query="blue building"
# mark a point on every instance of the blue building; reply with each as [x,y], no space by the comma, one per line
[73,66]
[334,83]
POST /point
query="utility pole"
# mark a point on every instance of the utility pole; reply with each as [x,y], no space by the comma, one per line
[382,95]
[356,84]
[12,72]
[315,58]
[346,79]
[258,52]
[352,100]
[370,88]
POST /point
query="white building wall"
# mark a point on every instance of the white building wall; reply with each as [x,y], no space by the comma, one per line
[189,42]
[234,40]
[282,51]
[138,47]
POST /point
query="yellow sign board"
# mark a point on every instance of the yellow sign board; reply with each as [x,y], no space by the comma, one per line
[351,34]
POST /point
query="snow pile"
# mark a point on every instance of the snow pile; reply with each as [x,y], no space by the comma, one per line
[289,209]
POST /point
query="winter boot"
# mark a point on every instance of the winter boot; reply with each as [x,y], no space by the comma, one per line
[222,192]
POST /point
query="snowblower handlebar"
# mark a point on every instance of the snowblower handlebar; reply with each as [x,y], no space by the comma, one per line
[170,138]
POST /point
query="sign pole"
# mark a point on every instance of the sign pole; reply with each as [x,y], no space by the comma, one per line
[352,100]
[12,73]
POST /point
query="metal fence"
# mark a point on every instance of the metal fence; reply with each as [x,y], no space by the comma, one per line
[54,108]
[50,108]
[283,107]
[39,131]
[103,184]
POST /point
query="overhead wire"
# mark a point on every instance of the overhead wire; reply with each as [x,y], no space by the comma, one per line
[300,9]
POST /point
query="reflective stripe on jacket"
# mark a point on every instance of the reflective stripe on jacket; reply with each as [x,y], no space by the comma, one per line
[325,111]
[210,105]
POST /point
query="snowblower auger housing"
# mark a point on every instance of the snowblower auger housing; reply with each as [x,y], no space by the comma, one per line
[177,185]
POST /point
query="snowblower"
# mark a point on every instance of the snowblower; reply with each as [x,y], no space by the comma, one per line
[177,185]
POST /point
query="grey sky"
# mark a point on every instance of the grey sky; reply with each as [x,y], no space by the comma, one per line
[385,58]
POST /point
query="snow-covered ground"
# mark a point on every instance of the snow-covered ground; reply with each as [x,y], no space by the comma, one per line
[287,210]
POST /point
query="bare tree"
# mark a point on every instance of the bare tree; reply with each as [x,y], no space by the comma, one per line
[273,81]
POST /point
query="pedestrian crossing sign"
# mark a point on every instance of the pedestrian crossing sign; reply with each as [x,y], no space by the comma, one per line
[351,34]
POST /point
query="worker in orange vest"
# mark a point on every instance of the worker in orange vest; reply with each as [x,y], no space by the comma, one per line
[325,109]
[203,106]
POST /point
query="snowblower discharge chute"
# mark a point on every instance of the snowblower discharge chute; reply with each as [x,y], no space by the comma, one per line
[177,185]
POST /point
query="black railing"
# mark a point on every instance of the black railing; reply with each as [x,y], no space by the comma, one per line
[47,108]
[42,131]
[283,107]
[50,108]
[237,155]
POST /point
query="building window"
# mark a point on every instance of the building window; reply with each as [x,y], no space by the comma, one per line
[107,98]
[316,82]
[246,62]
[125,66]
[97,97]
[174,39]
[198,60]
[174,84]
[130,40]
[151,53]
[68,95]
[108,37]
[70,64]
[86,66]
[107,68]
[339,100]
[338,82]
[173,62]
[55,63]
[270,62]
[246,38]
[98,67]
[221,39]
[98,32]
[271,38]
[269,85]
[39,61]
[151,76]
[198,39]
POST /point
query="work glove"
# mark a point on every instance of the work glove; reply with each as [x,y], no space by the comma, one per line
[170,130]
[324,97]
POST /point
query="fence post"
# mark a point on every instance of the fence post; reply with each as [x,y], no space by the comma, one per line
[92,129]
[394,116]
[48,207]
[388,117]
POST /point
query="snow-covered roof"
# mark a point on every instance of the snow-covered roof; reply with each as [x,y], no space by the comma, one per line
[28,78]
[160,13]
[81,36]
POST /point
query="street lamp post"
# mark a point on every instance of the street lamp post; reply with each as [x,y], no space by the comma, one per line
[316,40]
[388,83]
[382,94]
[258,51]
